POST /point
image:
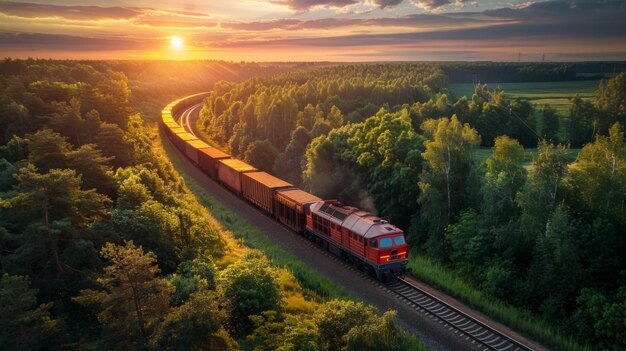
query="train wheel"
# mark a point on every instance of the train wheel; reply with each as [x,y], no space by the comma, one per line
[371,272]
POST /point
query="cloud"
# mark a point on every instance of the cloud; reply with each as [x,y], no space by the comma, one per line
[92,13]
[53,42]
[85,13]
[548,24]
[416,21]
[574,25]
[436,5]
[385,3]
[430,5]
[306,5]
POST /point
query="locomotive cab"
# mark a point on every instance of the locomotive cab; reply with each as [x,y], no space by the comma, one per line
[390,254]
[389,248]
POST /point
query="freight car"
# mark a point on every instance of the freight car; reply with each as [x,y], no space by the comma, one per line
[365,240]
[260,189]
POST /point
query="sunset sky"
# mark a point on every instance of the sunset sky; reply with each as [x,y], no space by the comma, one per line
[315,30]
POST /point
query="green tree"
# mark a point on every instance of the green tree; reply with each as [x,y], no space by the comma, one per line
[380,334]
[334,117]
[67,120]
[599,175]
[556,273]
[153,226]
[611,101]
[504,178]
[386,153]
[192,276]
[443,184]
[248,287]
[14,119]
[133,299]
[471,244]
[293,333]
[131,193]
[93,167]
[15,149]
[336,318]
[540,195]
[261,154]
[582,122]
[55,195]
[196,325]
[113,143]
[548,123]
[289,163]
[300,334]
[330,167]
[601,318]
[24,325]
[47,149]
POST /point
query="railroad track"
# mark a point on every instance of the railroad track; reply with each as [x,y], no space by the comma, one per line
[184,118]
[483,336]
[486,336]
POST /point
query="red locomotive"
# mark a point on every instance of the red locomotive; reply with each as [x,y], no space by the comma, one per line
[364,239]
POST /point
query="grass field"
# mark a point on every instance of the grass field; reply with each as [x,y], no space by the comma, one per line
[520,320]
[483,153]
[554,94]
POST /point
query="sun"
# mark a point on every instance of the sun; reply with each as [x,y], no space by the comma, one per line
[177,42]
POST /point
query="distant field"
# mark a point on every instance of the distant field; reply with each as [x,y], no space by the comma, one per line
[483,153]
[555,94]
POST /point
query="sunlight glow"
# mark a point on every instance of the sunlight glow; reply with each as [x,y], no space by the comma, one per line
[177,42]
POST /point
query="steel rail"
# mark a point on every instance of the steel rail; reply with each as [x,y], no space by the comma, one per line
[459,320]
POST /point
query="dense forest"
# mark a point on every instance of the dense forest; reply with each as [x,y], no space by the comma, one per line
[546,236]
[505,72]
[102,247]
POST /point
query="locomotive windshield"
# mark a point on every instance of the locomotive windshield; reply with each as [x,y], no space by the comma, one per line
[385,242]
[389,242]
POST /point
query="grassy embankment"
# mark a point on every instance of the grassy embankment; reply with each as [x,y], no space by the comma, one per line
[517,319]
[554,94]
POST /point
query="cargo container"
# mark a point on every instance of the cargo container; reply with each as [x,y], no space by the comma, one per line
[180,138]
[289,205]
[171,124]
[259,188]
[167,118]
[208,160]
[172,131]
[192,148]
[229,173]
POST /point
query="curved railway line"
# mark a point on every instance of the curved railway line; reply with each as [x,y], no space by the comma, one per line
[478,335]
[487,336]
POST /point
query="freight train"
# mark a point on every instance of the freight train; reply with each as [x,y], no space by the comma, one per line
[367,241]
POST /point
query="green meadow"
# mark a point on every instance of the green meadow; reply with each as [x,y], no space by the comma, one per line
[554,94]
[483,153]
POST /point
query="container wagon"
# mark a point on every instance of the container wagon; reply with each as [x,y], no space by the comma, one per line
[229,173]
[208,160]
[180,138]
[289,207]
[193,147]
[259,188]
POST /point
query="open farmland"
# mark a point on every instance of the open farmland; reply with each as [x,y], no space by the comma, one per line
[554,94]
[483,153]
